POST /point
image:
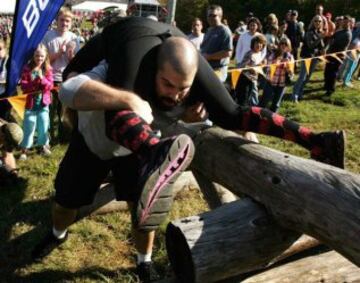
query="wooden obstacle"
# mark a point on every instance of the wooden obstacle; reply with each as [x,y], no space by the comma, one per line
[298,195]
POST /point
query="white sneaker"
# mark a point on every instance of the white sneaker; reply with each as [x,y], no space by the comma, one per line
[23,157]
[46,150]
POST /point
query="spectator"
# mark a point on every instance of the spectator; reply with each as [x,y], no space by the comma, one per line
[294,33]
[5,106]
[282,31]
[313,46]
[10,137]
[37,81]
[243,46]
[271,21]
[319,11]
[196,36]
[62,45]
[217,45]
[339,42]
[331,27]
[246,90]
[352,60]
[339,23]
[3,61]
[275,86]
[272,39]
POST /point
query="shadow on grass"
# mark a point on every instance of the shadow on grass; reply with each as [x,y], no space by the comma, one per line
[16,216]
[97,274]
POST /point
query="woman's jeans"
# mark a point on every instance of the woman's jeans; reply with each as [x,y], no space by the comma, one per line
[36,120]
[274,94]
[298,90]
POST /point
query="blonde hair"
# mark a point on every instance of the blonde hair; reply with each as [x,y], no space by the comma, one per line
[46,65]
[66,12]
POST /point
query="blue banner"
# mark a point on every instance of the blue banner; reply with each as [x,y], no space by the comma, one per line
[31,21]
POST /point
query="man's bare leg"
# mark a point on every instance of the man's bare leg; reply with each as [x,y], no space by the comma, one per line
[62,217]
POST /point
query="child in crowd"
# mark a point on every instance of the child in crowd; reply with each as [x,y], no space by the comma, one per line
[37,81]
[275,86]
[246,90]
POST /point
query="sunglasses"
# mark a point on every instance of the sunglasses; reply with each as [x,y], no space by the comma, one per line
[212,16]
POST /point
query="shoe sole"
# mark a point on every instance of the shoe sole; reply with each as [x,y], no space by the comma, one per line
[157,195]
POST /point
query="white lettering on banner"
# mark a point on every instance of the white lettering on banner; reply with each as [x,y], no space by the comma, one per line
[43,4]
[32,15]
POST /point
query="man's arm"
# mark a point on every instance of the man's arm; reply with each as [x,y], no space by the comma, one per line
[218,55]
[87,92]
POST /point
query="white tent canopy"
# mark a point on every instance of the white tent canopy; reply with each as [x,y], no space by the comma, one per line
[95,6]
[7,7]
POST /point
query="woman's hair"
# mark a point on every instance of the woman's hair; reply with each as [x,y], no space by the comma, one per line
[271,19]
[256,21]
[46,65]
[316,18]
[258,39]
[285,41]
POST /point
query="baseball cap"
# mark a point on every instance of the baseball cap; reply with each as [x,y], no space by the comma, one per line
[13,135]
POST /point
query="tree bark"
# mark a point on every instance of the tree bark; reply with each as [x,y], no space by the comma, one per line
[328,267]
[236,238]
[301,194]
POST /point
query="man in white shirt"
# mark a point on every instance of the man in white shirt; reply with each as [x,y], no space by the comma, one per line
[196,36]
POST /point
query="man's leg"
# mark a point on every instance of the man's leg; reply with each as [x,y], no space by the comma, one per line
[78,179]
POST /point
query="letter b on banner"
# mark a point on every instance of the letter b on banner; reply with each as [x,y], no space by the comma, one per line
[32,15]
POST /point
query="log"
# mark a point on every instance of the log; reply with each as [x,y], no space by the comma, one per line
[329,267]
[301,194]
[236,238]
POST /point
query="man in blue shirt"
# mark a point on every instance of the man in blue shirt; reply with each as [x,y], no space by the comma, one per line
[217,45]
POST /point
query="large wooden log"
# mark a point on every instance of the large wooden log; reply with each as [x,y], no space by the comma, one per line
[301,194]
[236,238]
[329,267]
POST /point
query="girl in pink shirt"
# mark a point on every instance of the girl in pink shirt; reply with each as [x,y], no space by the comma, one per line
[37,81]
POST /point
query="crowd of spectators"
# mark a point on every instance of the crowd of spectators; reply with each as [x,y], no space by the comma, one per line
[253,43]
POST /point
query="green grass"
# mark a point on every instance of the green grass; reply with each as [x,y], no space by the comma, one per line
[99,248]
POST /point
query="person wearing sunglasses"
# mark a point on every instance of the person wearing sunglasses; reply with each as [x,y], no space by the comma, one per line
[217,45]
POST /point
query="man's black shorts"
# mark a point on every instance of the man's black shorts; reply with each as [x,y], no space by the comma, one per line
[81,173]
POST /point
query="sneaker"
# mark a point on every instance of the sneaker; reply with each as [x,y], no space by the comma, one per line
[46,150]
[333,151]
[348,84]
[23,157]
[166,161]
[146,272]
[46,246]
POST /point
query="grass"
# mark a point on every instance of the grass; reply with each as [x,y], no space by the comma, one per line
[99,248]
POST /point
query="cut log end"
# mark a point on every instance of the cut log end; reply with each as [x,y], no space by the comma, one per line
[179,254]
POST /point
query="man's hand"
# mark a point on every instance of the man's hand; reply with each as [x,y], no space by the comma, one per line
[195,113]
[141,108]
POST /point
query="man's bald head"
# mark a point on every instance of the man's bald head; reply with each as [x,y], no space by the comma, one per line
[180,54]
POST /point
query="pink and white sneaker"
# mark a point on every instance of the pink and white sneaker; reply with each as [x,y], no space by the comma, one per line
[166,161]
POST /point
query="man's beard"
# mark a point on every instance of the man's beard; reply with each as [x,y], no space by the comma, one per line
[166,103]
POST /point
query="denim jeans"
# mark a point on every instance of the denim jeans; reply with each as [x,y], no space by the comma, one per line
[298,90]
[246,92]
[350,69]
[274,94]
[39,121]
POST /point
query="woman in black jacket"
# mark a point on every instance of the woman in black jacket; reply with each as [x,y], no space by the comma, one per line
[313,46]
